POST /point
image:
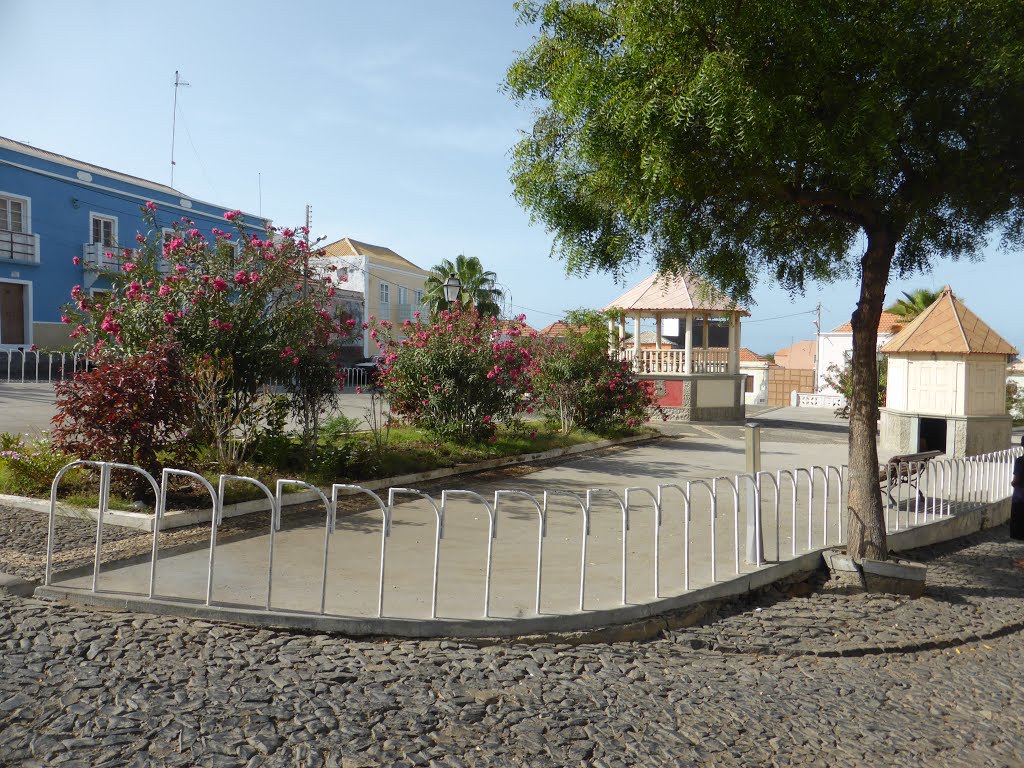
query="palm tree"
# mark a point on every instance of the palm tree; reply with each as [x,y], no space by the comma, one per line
[478,287]
[914,303]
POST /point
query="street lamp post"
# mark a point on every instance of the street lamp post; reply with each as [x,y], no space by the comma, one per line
[452,287]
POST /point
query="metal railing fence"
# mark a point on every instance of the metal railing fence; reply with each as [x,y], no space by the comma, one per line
[694,525]
[29,366]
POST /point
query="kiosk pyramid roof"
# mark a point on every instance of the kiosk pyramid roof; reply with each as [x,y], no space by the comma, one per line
[948,326]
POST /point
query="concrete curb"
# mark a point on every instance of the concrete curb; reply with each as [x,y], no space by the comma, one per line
[143,521]
[15,585]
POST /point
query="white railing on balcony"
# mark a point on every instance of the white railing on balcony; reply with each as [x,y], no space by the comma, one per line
[19,246]
[673,361]
[106,258]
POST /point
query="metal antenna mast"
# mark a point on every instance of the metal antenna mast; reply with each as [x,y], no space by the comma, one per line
[178,83]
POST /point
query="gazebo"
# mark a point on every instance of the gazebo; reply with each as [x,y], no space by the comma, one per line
[696,377]
[946,386]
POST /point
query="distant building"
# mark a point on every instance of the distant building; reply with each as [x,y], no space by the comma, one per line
[54,209]
[802,354]
[389,286]
[836,346]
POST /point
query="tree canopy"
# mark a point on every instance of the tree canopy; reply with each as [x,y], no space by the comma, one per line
[792,141]
[479,290]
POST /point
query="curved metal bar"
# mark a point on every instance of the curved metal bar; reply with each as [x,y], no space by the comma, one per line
[51,527]
[824,507]
[106,468]
[328,528]
[686,525]
[793,485]
[542,531]
[586,533]
[735,523]
[758,533]
[775,486]
[491,532]
[275,518]
[829,468]
[810,503]
[657,533]
[216,499]
[591,492]
[438,533]
[385,531]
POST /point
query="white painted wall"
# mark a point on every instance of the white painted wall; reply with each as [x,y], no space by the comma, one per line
[759,373]
[834,349]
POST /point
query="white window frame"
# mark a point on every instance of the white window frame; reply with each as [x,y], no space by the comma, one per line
[385,293]
[403,295]
[28,314]
[112,220]
[26,213]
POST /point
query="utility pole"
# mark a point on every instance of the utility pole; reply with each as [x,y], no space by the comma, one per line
[305,255]
[817,344]
[178,83]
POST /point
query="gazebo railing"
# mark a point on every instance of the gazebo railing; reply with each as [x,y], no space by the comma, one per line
[673,361]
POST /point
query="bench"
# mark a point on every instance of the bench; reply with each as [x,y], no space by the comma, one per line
[908,468]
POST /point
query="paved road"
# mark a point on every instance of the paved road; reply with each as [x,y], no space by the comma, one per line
[762,682]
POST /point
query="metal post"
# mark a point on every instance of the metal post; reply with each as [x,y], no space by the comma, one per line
[755,543]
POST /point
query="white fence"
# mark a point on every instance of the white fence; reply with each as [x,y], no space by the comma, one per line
[816,400]
[33,366]
[691,533]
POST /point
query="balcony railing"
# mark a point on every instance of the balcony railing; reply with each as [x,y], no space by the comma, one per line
[19,246]
[673,361]
[106,258]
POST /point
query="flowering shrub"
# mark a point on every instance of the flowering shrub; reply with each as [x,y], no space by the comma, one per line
[251,314]
[27,466]
[457,376]
[578,383]
[128,409]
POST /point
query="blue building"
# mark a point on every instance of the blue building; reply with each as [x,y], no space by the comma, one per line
[53,209]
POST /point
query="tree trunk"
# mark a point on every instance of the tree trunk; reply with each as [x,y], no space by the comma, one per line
[865,522]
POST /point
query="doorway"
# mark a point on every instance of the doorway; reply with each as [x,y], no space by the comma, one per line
[932,435]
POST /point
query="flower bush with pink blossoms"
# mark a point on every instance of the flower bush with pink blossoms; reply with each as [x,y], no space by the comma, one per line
[458,374]
[242,311]
[579,385]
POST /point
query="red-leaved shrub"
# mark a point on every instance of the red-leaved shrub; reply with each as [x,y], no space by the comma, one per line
[127,409]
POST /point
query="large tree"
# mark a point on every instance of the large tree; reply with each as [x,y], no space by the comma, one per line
[479,287]
[780,139]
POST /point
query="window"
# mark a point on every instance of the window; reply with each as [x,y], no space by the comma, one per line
[13,214]
[104,230]
[749,385]
[403,295]
[385,293]
[417,298]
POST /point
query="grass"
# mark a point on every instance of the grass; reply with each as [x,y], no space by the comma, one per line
[345,458]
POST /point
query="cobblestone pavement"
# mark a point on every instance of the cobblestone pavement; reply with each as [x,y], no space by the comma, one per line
[790,676]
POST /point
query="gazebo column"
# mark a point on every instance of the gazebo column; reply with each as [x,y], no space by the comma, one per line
[658,366]
[636,337]
[734,344]
[688,347]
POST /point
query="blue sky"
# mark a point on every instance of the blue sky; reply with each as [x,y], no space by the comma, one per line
[387,118]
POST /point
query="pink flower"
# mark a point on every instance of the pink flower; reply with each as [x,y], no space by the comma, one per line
[220,284]
[151,206]
[295,361]
[181,269]
[128,266]
[232,215]
[140,239]
[487,419]
[241,277]
[76,261]
[168,317]
[359,390]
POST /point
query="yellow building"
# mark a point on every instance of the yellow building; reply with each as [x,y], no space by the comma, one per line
[391,286]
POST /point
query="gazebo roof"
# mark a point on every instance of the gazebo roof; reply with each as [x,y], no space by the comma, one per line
[948,326]
[684,294]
